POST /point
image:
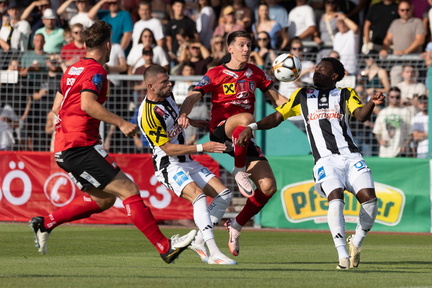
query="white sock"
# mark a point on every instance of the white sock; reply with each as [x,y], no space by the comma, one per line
[336,223]
[368,212]
[218,206]
[202,217]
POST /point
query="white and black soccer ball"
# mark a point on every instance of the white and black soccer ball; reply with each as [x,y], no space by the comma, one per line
[287,67]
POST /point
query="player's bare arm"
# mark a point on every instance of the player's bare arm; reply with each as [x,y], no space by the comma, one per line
[93,108]
[179,149]
[186,108]
[204,124]
[275,97]
[266,123]
[363,113]
[57,103]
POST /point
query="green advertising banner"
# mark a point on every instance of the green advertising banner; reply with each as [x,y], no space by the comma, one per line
[402,187]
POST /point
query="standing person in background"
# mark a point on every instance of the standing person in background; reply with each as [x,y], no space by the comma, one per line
[378,20]
[174,167]
[119,19]
[78,151]
[205,22]
[421,127]
[147,21]
[393,127]
[54,39]
[82,7]
[233,86]
[278,36]
[179,22]
[346,43]
[338,162]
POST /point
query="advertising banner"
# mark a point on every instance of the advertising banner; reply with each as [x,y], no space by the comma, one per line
[31,184]
[402,187]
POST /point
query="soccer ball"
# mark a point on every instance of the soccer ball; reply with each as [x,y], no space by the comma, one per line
[287,67]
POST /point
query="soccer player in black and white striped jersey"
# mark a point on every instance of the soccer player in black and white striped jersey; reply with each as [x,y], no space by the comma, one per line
[339,165]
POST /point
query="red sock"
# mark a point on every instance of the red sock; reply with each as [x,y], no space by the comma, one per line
[79,208]
[142,218]
[252,207]
[239,152]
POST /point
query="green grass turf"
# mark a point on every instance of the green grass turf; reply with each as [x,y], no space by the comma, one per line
[119,256]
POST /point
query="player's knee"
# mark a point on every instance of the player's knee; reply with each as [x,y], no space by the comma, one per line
[106,203]
[268,187]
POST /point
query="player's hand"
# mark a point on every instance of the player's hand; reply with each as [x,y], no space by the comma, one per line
[214,147]
[378,98]
[128,129]
[183,121]
[244,136]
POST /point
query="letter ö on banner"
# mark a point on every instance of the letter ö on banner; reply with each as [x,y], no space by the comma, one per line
[16,174]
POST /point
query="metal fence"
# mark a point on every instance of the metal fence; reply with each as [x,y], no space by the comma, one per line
[31,99]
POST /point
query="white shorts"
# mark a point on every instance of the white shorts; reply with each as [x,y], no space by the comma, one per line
[349,172]
[178,175]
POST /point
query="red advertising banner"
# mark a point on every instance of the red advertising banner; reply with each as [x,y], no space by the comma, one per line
[31,184]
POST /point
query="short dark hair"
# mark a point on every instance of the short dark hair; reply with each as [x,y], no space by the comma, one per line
[97,34]
[154,70]
[394,88]
[338,67]
[236,34]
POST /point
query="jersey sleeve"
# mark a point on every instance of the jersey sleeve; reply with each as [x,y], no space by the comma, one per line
[94,81]
[353,101]
[292,106]
[265,82]
[154,127]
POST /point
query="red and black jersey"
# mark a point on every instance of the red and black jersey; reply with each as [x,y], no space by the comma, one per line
[74,127]
[232,91]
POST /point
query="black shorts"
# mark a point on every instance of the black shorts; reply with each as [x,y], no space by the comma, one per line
[254,152]
[88,166]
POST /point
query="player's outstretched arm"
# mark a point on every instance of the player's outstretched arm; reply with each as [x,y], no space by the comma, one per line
[266,123]
[186,108]
[179,149]
[93,108]
[363,113]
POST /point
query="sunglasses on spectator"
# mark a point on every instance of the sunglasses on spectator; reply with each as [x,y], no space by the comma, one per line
[405,10]
[262,39]
[194,47]
[330,2]
[394,97]
[112,3]
[297,48]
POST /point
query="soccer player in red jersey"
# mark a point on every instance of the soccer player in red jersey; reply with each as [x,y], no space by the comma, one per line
[232,86]
[78,150]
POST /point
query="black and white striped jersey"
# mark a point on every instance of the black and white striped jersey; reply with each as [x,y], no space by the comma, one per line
[325,113]
[158,122]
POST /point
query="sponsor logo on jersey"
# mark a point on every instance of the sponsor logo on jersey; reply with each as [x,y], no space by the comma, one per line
[175,131]
[204,81]
[302,203]
[98,81]
[76,70]
[324,114]
[230,73]
[229,88]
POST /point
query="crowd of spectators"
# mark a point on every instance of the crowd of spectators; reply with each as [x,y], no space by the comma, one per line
[40,39]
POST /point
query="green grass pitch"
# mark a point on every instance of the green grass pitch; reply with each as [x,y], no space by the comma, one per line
[120,256]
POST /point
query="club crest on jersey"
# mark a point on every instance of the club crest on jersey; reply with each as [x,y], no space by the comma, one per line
[229,88]
[230,73]
[204,81]
[98,80]
[252,86]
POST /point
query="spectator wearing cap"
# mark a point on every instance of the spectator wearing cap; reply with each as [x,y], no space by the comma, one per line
[120,20]
[33,14]
[229,23]
[14,33]
[54,39]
